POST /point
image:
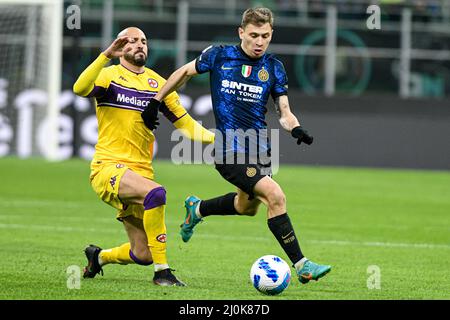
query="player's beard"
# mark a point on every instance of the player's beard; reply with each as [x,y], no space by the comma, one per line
[136,61]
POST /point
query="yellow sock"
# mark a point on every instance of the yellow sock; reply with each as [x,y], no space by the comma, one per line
[155,228]
[118,255]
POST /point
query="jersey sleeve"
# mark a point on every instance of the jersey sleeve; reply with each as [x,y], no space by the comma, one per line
[95,79]
[171,107]
[104,79]
[280,85]
[205,61]
[194,130]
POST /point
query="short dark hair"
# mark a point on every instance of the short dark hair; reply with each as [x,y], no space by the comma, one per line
[257,16]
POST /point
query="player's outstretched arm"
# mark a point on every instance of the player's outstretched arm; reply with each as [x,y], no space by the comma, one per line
[175,81]
[85,83]
[289,121]
[174,111]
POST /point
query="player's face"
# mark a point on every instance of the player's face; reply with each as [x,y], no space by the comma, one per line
[139,50]
[255,39]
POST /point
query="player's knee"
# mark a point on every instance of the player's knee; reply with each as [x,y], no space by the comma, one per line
[276,198]
[155,198]
[141,256]
[248,211]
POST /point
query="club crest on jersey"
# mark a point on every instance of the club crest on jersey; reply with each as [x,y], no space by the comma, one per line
[263,75]
[246,71]
[162,238]
[153,83]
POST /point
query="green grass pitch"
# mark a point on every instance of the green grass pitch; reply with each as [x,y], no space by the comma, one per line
[350,218]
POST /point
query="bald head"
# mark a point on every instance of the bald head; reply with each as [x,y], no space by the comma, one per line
[132,32]
[137,41]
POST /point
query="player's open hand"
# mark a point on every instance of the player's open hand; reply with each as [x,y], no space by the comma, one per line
[117,48]
[301,135]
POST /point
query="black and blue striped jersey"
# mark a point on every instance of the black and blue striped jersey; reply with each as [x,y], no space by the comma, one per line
[240,90]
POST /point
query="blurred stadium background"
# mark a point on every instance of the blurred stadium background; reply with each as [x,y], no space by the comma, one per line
[370,97]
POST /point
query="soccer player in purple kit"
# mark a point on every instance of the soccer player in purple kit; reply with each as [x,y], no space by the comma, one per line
[242,77]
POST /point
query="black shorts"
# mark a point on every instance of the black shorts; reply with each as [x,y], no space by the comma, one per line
[244,176]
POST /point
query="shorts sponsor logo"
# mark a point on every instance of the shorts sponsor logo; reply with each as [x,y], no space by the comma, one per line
[153,83]
[263,75]
[162,238]
[119,165]
[251,172]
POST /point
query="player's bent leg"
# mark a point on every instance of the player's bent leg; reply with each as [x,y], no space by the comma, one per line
[270,193]
[279,223]
[139,251]
[228,204]
[130,192]
[196,209]
[117,255]
[244,206]
[155,229]
[134,188]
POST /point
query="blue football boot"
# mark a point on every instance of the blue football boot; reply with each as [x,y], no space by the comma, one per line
[312,271]
[191,219]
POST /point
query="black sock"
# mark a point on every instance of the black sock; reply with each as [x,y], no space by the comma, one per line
[223,205]
[281,228]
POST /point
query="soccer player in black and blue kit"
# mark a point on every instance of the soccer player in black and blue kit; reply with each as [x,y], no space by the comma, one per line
[242,78]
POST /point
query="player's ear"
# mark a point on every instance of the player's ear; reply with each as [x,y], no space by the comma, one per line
[241,32]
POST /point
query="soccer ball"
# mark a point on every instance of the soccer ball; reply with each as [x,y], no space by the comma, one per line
[270,275]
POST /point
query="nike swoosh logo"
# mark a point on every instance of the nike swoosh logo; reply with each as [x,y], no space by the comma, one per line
[226,68]
[284,237]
